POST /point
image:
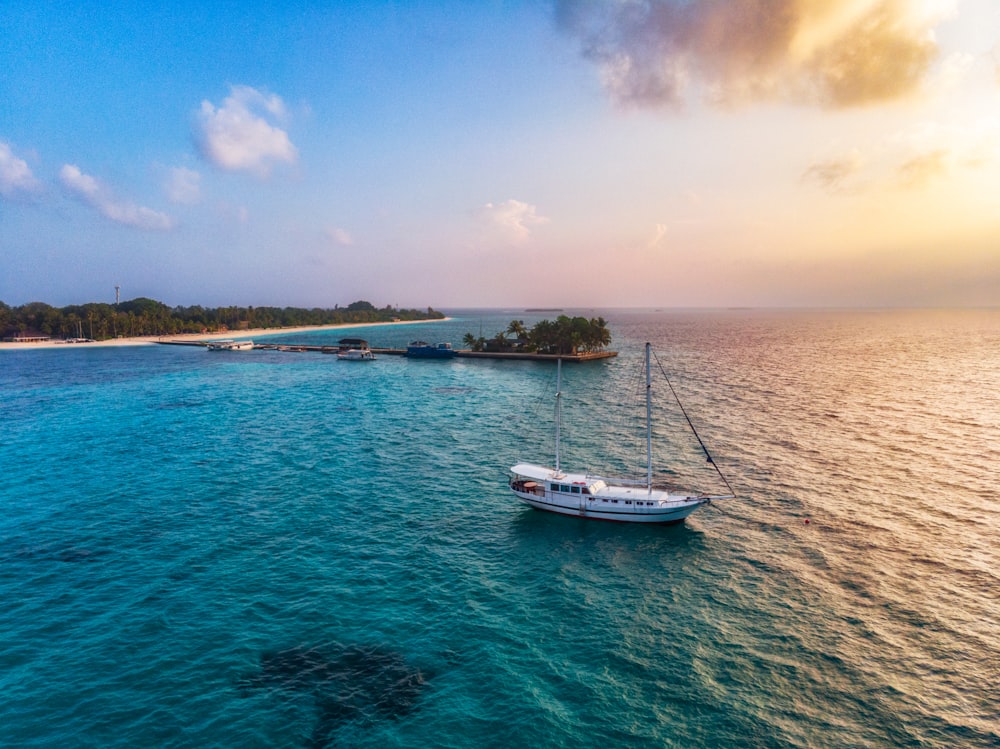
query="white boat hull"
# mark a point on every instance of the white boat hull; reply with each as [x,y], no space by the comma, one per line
[230,345]
[583,496]
[656,515]
[356,355]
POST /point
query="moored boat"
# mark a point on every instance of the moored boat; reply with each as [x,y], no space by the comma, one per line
[228,344]
[354,349]
[356,354]
[424,350]
[582,494]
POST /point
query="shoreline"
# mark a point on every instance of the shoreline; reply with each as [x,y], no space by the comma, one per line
[234,334]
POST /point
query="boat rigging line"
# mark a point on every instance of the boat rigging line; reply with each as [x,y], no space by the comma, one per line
[690,424]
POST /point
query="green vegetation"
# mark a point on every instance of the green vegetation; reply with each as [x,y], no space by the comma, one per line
[564,335]
[148,317]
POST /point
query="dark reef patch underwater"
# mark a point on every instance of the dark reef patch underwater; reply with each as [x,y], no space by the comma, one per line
[358,684]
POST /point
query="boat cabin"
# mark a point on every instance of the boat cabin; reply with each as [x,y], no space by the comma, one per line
[538,480]
[348,344]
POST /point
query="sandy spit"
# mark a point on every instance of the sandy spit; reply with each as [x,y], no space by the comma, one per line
[235,334]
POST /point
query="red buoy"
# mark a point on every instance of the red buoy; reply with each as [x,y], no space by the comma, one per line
[807,521]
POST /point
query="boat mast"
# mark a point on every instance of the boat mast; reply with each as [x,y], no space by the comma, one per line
[649,426]
[558,407]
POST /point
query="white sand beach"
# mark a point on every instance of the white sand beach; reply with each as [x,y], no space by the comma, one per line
[236,334]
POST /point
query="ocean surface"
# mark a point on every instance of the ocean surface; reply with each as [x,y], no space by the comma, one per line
[267,549]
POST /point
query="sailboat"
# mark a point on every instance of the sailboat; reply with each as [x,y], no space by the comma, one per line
[601,498]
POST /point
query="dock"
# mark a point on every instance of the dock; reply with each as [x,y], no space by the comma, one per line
[526,356]
[459,353]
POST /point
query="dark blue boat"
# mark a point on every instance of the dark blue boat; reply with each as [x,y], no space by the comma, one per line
[424,350]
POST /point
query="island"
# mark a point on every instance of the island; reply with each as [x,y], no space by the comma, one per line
[141,317]
[564,336]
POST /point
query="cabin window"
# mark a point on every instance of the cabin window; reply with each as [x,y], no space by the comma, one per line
[565,488]
[615,501]
[554,487]
[586,490]
[576,489]
[628,501]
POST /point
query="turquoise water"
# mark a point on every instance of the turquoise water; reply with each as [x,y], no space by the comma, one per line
[280,549]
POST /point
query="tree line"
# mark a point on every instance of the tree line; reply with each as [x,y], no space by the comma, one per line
[148,317]
[564,335]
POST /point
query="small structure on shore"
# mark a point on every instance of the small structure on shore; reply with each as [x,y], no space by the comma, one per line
[27,336]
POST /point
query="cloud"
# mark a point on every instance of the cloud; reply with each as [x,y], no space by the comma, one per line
[183,185]
[15,174]
[951,72]
[93,193]
[912,158]
[240,136]
[835,53]
[660,231]
[921,169]
[512,218]
[929,150]
[834,174]
[340,237]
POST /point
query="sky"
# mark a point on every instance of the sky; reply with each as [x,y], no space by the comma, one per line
[628,153]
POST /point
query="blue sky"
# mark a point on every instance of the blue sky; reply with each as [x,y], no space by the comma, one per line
[628,153]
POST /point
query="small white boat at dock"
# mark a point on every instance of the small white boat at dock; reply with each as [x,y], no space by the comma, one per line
[356,354]
[228,344]
[354,349]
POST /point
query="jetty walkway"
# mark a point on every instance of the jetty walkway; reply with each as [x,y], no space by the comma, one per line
[459,353]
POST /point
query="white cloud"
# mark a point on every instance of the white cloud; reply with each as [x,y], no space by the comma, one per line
[183,185]
[512,218]
[15,174]
[951,73]
[240,134]
[82,184]
[340,237]
[94,194]
[660,231]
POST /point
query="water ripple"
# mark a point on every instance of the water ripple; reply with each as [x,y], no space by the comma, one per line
[177,521]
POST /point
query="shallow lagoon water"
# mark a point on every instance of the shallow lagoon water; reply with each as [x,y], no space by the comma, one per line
[172,519]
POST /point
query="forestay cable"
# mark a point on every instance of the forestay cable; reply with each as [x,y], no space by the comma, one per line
[690,424]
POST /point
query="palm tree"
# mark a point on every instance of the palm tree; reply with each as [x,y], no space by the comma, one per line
[475,344]
[598,336]
[497,343]
[517,329]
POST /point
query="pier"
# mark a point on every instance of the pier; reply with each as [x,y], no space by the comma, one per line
[459,353]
